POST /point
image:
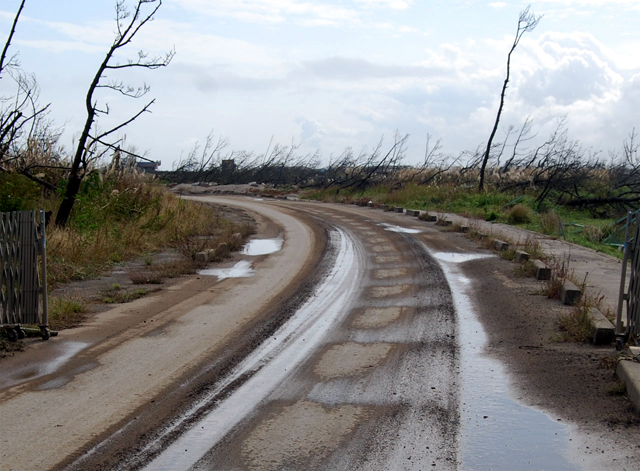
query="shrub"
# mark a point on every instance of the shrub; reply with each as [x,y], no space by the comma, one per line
[549,222]
[18,193]
[520,214]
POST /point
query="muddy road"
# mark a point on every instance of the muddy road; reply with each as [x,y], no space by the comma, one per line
[346,339]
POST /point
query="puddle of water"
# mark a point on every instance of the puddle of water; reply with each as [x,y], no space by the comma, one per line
[262,247]
[392,228]
[69,350]
[496,432]
[271,362]
[242,269]
[451,257]
[61,353]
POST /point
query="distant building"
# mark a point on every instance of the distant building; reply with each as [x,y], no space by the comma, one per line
[147,167]
[228,166]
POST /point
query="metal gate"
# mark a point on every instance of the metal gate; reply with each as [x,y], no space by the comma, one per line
[23,273]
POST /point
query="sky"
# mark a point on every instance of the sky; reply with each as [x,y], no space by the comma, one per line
[328,75]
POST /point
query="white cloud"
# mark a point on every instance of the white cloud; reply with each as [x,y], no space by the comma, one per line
[498,5]
[274,11]
[56,46]
[394,4]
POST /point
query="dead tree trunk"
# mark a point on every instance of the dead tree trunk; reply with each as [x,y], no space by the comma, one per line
[526,22]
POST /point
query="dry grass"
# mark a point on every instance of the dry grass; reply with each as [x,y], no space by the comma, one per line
[559,274]
[155,274]
[520,214]
[167,221]
[65,313]
[549,222]
[119,296]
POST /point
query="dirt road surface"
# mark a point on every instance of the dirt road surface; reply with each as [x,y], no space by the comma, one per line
[369,341]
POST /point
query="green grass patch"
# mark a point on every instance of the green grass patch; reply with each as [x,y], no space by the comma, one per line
[519,209]
[65,313]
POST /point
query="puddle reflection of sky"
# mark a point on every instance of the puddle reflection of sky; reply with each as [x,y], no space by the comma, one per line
[497,432]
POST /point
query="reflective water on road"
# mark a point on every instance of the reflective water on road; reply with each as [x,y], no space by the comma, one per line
[269,364]
[60,354]
[262,247]
[497,432]
[406,230]
[241,269]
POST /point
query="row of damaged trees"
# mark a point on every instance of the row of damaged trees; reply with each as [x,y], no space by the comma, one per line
[557,170]
[29,140]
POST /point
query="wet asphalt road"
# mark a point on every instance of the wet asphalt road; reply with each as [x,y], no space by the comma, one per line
[375,386]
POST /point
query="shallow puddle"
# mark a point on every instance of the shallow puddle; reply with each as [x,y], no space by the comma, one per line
[241,269]
[257,247]
[61,353]
[497,432]
[392,228]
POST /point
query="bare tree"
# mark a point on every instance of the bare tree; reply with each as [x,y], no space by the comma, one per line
[526,22]
[128,25]
[5,49]
[23,127]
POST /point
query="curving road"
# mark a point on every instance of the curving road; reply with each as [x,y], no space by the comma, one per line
[340,352]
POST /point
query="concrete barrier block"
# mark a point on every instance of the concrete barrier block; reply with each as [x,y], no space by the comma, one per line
[370,204]
[629,372]
[413,212]
[465,229]
[500,245]
[569,293]
[521,256]
[605,332]
[428,217]
[398,209]
[543,272]
[222,250]
[202,257]
[383,207]
[211,254]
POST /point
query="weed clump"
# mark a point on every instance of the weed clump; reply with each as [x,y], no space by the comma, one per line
[520,214]
[65,313]
[577,325]
[549,222]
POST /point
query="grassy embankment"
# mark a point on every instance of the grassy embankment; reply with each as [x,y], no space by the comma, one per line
[580,226]
[118,217]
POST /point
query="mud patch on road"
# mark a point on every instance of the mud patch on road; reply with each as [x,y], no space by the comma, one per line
[381,249]
[300,436]
[391,273]
[373,318]
[388,259]
[350,359]
[386,291]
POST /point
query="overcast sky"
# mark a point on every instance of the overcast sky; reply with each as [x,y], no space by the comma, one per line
[331,74]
